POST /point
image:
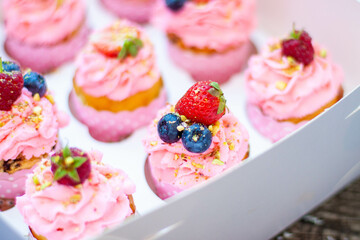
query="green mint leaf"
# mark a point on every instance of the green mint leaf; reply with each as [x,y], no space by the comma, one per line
[123,53]
[59,174]
[78,161]
[66,152]
[138,43]
[133,50]
[74,175]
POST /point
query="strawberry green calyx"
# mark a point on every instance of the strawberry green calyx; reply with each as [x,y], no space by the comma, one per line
[217,92]
[1,66]
[131,47]
[68,165]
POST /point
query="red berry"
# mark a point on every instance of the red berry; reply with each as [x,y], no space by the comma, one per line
[110,40]
[299,47]
[203,103]
[11,84]
[71,166]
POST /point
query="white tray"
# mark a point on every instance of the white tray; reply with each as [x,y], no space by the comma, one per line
[279,182]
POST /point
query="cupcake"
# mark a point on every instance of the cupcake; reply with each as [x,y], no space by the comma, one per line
[117,85]
[134,10]
[197,139]
[73,195]
[289,83]
[29,124]
[207,38]
[50,31]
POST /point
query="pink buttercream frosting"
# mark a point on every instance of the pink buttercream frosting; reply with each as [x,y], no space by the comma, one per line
[24,132]
[101,76]
[284,89]
[101,202]
[172,164]
[218,24]
[39,22]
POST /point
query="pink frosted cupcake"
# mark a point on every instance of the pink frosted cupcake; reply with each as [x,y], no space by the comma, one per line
[50,31]
[209,39]
[74,195]
[193,141]
[29,124]
[117,85]
[289,83]
[134,10]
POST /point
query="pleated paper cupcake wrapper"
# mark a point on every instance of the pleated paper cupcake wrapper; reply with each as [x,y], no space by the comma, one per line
[268,126]
[107,126]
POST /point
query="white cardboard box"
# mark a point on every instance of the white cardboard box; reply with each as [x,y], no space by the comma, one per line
[280,182]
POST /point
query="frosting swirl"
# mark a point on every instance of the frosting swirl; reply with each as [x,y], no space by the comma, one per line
[284,89]
[40,22]
[218,24]
[173,164]
[63,212]
[101,76]
[25,131]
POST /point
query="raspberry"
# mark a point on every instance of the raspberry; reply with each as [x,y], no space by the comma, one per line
[203,103]
[11,84]
[71,166]
[299,47]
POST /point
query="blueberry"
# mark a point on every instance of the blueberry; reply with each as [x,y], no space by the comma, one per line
[167,128]
[175,5]
[197,138]
[10,66]
[35,83]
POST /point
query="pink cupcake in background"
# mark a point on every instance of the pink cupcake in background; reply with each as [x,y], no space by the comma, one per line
[193,141]
[289,83]
[210,39]
[74,195]
[134,10]
[44,34]
[117,84]
[29,125]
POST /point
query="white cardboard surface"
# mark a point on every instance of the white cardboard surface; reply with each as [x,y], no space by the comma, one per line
[263,195]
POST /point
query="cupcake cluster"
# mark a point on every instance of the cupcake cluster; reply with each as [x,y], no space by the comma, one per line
[29,124]
[117,88]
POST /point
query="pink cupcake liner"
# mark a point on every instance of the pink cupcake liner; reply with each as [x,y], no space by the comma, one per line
[13,185]
[268,126]
[217,67]
[161,189]
[46,58]
[107,126]
[134,10]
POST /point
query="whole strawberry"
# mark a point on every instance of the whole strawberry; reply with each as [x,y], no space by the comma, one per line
[203,103]
[11,84]
[70,166]
[299,47]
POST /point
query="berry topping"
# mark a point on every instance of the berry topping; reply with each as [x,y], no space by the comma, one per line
[175,5]
[11,84]
[299,47]
[118,41]
[10,66]
[35,83]
[168,128]
[204,103]
[71,166]
[197,138]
